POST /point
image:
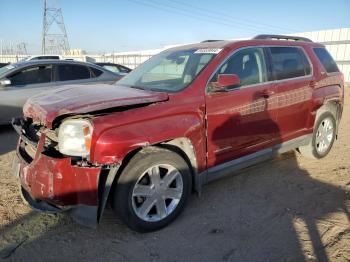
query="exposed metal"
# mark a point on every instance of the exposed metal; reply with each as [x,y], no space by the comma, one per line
[53,42]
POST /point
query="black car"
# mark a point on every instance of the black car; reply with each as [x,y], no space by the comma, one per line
[115,68]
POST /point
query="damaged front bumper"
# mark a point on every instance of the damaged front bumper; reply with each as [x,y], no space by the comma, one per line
[56,184]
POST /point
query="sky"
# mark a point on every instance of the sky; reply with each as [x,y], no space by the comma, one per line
[129,25]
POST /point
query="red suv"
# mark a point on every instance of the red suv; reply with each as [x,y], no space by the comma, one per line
[185,117]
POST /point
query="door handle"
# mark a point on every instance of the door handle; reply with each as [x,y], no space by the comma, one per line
[266,93]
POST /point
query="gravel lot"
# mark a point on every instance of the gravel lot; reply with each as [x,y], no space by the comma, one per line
[288,209]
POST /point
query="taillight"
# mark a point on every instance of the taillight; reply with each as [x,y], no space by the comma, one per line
[342,76]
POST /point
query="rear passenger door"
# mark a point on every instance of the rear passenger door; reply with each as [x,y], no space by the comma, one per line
[292,72]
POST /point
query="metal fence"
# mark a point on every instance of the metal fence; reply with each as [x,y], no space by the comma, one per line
[337,42]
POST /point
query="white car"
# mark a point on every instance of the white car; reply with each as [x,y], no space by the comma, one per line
[40,57]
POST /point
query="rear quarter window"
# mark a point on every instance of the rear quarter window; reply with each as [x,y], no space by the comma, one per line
[326,60]
[289,62]
[95,72]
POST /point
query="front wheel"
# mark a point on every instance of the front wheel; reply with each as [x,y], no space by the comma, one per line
[322,138]
[152,189]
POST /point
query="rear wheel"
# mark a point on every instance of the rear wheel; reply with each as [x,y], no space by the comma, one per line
[323,137]
[152,189]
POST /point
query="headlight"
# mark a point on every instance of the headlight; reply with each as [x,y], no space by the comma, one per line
[74,137]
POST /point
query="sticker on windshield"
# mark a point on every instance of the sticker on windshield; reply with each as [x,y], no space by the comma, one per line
[208,51]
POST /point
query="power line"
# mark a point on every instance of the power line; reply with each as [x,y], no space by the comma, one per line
[189,14]
[210,15]
[226,16]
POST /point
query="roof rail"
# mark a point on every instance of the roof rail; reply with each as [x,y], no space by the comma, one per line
[283,37]
[211,40]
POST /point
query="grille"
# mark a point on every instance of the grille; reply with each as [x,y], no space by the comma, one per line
[30,134]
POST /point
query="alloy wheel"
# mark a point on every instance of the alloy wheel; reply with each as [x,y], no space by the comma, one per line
[157,192]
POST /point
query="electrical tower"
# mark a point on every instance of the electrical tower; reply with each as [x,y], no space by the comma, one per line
[54,38]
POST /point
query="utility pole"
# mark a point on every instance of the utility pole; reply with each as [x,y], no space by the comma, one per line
[54,40]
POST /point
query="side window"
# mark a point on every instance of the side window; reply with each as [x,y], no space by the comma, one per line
[289,62]
[95,72]
[32,75]
[326,60]
[73,72]
[45,57]
[249,64]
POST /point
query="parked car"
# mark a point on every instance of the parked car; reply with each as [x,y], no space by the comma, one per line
[185,117]
[20,81]
[40,57]
[3,64]
[116,68]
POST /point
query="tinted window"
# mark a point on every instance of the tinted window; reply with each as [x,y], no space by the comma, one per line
[248,64]
[32,75]
[326,60]
[73,72]
[289,62]
[96,72]
[45,57]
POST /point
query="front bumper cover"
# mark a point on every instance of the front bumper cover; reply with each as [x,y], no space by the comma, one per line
[54,183]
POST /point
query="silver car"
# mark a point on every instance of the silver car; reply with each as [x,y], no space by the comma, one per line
[20,81]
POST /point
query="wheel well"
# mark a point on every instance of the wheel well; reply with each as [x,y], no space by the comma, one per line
[181,146]
[330,106]
[185,149]
[333,107]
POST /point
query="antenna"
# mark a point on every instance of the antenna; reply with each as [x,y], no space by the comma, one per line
[54,40]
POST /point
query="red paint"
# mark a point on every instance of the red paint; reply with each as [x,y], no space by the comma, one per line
[57,181]
[80,99]
[221,126]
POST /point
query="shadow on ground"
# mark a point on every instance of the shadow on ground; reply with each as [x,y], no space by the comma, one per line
[262,214]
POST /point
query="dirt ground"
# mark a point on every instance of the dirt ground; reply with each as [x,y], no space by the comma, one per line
[287,209]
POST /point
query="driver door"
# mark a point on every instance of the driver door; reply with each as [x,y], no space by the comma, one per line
[241,119]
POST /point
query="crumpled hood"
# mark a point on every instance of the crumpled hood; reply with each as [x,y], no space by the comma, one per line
[80,99]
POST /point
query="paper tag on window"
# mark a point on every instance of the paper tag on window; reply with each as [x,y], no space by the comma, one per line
[208,51]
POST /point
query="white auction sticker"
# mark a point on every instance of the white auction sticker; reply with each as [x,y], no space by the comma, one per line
[208,51]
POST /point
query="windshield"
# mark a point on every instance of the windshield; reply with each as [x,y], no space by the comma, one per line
[169,71]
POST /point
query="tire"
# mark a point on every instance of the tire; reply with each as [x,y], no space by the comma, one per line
[316,149]
[152,190]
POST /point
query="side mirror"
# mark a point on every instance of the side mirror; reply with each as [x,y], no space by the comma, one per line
[5,82]
[227,80]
